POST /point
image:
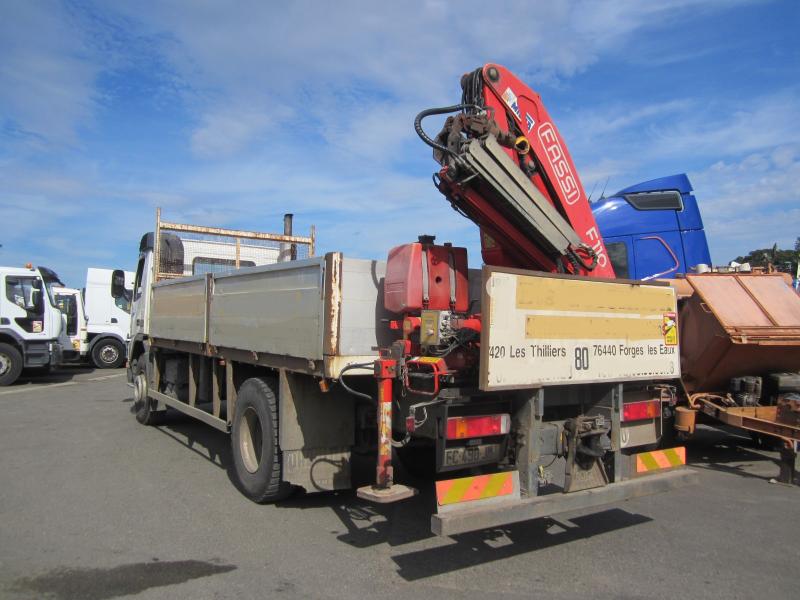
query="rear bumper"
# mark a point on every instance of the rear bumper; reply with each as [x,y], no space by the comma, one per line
[514,511]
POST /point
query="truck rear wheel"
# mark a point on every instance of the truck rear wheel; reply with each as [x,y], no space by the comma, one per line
[254,442]
[108,353]
[10,364]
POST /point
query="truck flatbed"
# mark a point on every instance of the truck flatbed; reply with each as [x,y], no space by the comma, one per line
[313,316]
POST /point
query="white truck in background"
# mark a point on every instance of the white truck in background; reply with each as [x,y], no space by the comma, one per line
[32,328]
[108,318]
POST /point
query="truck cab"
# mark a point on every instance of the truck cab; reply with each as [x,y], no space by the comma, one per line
[140,297]
[184,257]
[32,329]
[653,229]
[109,317]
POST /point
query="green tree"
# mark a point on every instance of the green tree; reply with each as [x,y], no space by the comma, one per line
[784,260]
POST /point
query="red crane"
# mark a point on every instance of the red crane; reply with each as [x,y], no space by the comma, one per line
[506,167]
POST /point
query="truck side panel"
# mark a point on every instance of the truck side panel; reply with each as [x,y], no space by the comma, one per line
[277,309]
[361,329]
[179,310]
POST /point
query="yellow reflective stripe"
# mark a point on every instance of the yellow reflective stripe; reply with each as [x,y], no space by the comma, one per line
[457,491]
[478,487]
[677,455]
[648,461]
[660,459]
[495,484]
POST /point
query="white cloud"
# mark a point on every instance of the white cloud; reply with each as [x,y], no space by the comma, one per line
[626,143]
[596,176]
[757,123]
[225,131]
[594,123]
[751,203]
[334,62]
[47,71]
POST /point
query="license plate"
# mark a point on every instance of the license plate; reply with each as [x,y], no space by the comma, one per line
[470,455]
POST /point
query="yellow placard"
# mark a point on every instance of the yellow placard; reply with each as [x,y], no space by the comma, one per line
[541,293]
[548,327]
[669,328]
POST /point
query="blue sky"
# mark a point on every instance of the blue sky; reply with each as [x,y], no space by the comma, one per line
[231,115]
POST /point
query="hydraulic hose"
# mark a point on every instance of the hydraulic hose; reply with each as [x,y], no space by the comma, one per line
[395,443]
[438,111]
[348,388]
[576,258]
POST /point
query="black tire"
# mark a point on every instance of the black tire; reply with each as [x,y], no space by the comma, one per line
[10,364]
[142,403]
[254,442]
[108,353]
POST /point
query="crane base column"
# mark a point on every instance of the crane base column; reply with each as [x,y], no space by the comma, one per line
[385,490]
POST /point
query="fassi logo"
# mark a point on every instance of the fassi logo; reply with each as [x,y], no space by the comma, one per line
[558,160]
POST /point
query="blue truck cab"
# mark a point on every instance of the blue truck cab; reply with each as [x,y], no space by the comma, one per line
[653,229]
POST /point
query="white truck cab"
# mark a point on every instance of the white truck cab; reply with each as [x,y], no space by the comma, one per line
[31,325]
[109,317]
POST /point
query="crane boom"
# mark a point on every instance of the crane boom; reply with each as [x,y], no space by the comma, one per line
[506,167]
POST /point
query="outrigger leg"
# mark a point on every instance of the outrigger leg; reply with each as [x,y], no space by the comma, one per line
[385,490]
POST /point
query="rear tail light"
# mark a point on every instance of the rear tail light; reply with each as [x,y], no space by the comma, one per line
[461,428]
[638,411]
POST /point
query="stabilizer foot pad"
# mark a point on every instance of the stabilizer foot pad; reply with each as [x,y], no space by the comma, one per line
[393,493]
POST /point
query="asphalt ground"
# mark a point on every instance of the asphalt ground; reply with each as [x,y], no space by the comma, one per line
[95,506]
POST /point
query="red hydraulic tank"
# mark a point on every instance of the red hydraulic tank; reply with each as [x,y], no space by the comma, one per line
[423,275]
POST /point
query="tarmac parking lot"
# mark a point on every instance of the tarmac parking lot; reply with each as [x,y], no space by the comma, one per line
[95,506]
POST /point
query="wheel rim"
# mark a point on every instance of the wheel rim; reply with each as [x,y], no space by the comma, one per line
[109,354]
[5,363]
[139,389]
[250,440]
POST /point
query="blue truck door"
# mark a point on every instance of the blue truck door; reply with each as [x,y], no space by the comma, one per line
[658,255]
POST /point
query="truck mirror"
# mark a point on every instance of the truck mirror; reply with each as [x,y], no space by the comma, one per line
[118,283]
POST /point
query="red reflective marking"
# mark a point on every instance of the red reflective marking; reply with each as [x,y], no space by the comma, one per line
[476,488]
[442,487]
[661,460]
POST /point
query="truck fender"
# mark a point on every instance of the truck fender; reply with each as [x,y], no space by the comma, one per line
[9,336]
[104,336]
[135,348]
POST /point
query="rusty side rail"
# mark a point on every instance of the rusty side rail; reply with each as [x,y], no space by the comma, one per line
[761,419]
[235,234]
[238,233]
